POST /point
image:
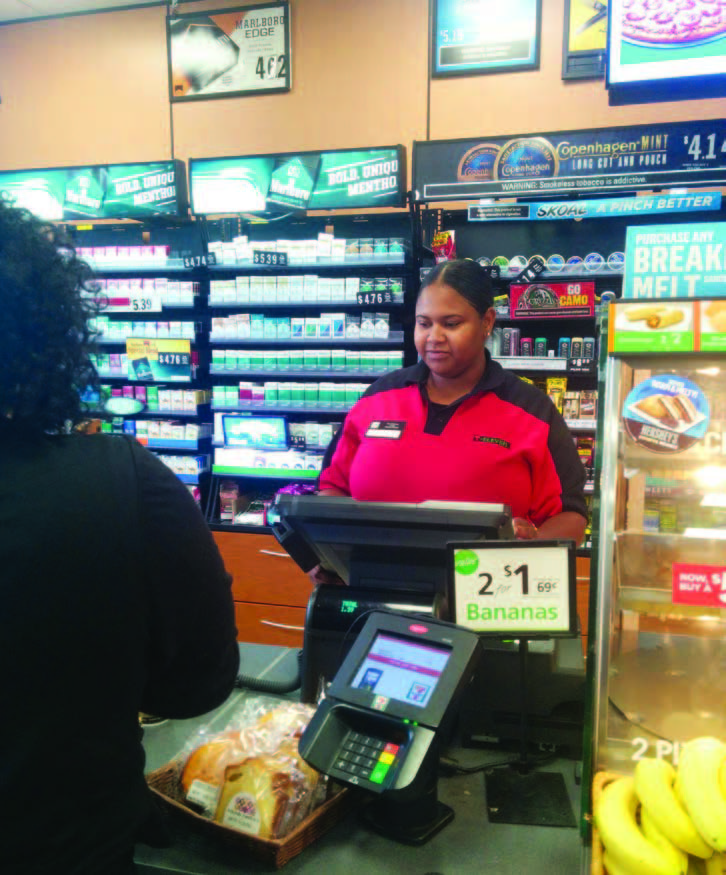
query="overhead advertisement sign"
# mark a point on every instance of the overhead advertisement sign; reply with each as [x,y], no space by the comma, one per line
[299,181]
[585,39]
[666,51]
[229,52]
[673,261]
[101,191]
[567,162]
[471,38]
[603,208]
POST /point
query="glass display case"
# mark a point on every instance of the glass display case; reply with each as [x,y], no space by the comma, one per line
[658,676]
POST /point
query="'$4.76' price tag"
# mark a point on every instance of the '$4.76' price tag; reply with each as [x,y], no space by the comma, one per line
[513,589]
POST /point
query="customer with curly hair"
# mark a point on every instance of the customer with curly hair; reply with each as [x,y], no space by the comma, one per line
[113,596]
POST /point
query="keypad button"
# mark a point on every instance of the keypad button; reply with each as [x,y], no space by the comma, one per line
[378,775]
[386,758]
[392,748]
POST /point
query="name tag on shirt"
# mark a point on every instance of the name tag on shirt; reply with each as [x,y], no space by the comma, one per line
[390,429]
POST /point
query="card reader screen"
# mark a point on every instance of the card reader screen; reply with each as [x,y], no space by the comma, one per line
[401,669]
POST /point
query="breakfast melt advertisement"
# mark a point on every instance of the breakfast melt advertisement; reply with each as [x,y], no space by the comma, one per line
[666,325]
[674,261]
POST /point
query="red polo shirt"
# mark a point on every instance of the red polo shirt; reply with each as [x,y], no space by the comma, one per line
[504,442]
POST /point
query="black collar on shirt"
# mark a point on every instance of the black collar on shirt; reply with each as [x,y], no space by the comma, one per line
[438,415]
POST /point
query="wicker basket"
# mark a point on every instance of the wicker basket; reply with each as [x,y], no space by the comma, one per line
[274,852]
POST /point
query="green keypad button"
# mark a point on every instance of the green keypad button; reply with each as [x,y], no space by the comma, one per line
[379,773]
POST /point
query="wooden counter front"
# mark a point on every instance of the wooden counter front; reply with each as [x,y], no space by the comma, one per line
[269,589]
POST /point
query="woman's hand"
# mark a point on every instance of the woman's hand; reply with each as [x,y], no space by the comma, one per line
[524,530]
[320,575]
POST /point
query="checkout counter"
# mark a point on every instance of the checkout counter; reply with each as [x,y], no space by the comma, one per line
[470,845]
[393,561]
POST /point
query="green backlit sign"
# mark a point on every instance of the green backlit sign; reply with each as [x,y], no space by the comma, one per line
[101,191]
[304,181]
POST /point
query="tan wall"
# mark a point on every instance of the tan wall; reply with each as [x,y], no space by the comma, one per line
[93,89]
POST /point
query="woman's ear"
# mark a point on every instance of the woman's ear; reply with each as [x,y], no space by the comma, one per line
[488,319]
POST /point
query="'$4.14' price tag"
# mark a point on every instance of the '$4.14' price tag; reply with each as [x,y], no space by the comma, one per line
[514,589]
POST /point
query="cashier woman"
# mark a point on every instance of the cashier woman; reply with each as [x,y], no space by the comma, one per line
[457,426]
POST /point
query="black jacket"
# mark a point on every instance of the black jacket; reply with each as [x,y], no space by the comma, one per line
[113,600]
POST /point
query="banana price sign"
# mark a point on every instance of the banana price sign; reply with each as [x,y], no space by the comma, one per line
[524,588]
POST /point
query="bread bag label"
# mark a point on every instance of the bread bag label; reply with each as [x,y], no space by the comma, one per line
[203,794]
[242,813]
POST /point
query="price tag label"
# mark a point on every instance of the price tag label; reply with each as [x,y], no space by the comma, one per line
[581,365]
[524,588]
[271,259]
[175,359]
[208,260]
[133,304]
[368,298]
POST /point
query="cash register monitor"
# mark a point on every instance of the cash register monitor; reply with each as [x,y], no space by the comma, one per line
[380,545]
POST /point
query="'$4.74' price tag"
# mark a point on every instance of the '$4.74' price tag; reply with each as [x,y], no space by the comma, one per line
[517,589]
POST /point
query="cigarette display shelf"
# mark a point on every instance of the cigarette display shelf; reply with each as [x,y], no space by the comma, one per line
[269,408]
[177,414]
[395,338]
[351,265]
[199,446]
[299,305]
[394,224]
[115,375]
[320,448]
[171,265]
[366,375]
[266,473]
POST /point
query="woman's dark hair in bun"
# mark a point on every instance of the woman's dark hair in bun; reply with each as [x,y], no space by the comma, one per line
[466,277]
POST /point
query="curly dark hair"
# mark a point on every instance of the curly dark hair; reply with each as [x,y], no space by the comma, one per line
[45,338]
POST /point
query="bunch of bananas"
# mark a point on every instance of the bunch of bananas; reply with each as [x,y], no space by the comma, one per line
[667,822]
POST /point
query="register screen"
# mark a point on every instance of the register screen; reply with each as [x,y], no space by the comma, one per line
[401,669]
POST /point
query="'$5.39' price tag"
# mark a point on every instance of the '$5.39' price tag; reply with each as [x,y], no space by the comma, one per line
[520,589]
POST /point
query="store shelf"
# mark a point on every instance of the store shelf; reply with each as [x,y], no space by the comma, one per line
[262,408]
[532,363]
[327,264]
[266,473]
[169,414]
[541,320]
[168,444]
[293,305]
[318,448]
[298,374]
[581,424]
[109,341]
[171,265]
[104,375]
[395,337]
[189,479]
